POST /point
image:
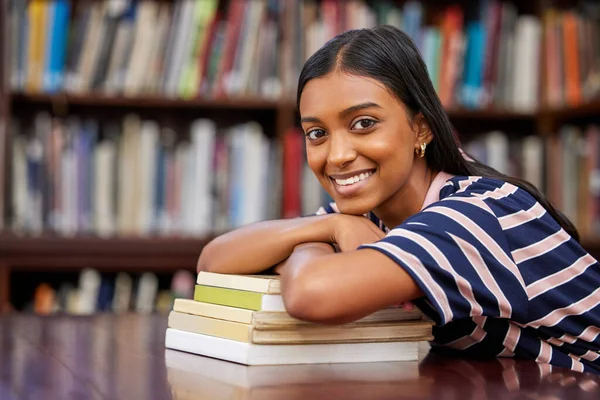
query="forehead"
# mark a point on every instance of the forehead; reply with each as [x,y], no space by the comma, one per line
[338,91]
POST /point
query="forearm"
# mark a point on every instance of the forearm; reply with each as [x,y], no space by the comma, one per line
[257,247]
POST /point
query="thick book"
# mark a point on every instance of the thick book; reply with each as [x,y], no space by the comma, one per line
[268,284]
[255,354]
[238,298]
[303,334]
[267,319]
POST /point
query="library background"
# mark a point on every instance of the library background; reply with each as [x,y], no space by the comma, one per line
[132,132]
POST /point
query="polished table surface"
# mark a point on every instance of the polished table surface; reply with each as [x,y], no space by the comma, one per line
[123,357]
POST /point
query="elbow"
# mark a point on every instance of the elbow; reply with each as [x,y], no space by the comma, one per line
[207,262]
[307,300]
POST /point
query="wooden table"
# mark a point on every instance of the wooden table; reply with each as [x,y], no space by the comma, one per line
[123,357]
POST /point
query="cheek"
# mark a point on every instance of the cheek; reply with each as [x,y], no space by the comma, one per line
[316,159]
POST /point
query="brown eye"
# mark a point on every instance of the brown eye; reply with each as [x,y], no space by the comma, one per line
[364,123]
[315,134]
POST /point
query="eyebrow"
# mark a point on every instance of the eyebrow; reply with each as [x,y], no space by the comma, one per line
[345,112]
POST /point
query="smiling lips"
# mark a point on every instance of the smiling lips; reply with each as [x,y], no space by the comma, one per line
[348,184]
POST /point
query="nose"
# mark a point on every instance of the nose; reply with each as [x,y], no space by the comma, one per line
[341,151]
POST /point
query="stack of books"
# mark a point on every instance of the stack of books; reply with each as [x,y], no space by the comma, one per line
[242,318]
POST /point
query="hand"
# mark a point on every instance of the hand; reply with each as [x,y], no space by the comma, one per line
[352,231]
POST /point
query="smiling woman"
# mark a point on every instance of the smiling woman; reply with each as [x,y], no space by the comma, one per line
[485,255]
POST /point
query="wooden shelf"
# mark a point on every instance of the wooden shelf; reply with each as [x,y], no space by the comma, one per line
[101,100]
[59,253]
[588,110]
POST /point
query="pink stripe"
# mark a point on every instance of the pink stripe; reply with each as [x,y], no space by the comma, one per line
[522,217]
[464,287]
[590,334]
[555,341]
[503,191]
[433,193]
[576,365]
[512,337]
[410,261]
[334,207]
[540,248]
[545,354]
[463,185]
[561,277]
[484,274]
[590,356]
[506,353]
[483,238]
[471,200]
[577,308]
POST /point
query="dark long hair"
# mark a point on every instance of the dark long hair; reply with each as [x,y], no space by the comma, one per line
[390,56]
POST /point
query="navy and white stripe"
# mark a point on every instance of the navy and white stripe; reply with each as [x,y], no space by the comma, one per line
[500,276]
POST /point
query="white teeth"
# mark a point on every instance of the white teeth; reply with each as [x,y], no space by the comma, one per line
[353,179]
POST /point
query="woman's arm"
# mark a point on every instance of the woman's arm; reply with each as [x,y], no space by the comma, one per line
[323,287]
[257,247]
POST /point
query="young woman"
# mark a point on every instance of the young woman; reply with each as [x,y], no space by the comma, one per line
[486,256]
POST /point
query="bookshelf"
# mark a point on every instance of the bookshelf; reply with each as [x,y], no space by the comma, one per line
[48,252]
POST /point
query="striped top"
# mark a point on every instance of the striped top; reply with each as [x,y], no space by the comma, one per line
[501,277]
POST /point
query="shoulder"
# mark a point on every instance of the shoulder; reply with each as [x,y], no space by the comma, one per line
[497,196]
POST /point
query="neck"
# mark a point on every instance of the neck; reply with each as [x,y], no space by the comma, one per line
[408,200]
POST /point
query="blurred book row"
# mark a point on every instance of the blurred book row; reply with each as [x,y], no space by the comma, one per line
[478,57]
[565,166]
[136,177]
[571,41]
[123,293]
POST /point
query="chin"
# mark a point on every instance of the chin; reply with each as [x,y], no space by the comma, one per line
[352,207]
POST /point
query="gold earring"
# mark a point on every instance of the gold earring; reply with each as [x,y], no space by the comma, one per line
[421,152]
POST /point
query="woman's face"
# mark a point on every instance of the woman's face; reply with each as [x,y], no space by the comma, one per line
[359,140]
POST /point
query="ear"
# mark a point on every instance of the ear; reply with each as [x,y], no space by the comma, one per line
[422,131]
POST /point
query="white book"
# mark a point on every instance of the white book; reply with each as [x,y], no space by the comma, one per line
[533,160]
[497,150]
[253,354]
[183,41]
[144,40]
[105,157]
[526,64]
[89,286]
[122,296]
[147,173]
[19,181]
[146,293]
[91,48]
[203,134]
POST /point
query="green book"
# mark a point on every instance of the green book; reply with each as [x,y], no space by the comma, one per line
[238,298]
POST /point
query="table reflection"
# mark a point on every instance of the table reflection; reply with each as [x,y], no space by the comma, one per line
[433,377]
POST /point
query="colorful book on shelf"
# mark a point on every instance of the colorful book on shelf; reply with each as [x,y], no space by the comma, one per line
[257,354]
[302,334]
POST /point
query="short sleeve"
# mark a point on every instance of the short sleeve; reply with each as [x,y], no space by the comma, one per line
[331,208]
[456,252]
